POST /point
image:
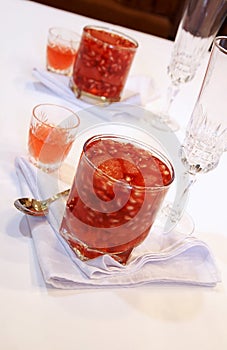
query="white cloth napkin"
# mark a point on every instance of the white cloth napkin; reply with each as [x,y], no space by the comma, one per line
[187,262]
[138,89]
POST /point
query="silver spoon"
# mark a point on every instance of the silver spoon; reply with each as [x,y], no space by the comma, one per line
[36,207]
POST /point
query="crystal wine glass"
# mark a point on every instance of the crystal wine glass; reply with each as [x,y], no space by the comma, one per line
[199,25]
[206,134]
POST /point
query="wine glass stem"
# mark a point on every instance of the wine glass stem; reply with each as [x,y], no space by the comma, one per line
[174,211]
[172,92]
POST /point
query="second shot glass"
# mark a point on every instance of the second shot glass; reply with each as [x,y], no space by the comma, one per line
[61,50]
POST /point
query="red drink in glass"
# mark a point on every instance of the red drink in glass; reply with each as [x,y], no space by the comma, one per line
[48,144]
[52,131]
[60,58]
[61,50]
[103,63]
[118,189]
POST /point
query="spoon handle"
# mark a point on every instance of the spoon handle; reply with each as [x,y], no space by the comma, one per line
[58,195]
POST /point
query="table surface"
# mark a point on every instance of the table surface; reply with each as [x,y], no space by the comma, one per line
[35,316]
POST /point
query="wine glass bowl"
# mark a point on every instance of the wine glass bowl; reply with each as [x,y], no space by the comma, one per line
[197,29]
[206,134]
[203,146]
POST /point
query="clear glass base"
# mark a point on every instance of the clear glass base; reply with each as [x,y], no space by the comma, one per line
[84,252]
[164,122]
[66,71]
[161,119]
[90,98]
[47,168]
[168,239]
[168,220]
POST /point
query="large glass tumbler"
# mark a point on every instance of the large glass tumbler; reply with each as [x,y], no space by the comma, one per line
[119,186]
[102,66]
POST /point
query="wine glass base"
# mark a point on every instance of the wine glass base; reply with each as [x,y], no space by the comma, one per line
[160,120]
[165,123]
[168,239]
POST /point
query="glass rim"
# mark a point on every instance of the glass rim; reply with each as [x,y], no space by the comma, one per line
[56,125]
[114,31]
[217,42]
[75,36]
[143,145]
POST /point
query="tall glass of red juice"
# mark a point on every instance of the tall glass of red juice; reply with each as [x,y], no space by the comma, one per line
[118,188]
[103,62]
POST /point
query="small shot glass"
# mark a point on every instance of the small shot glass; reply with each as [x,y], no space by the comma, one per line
[102,66]
[61,50]
[52,132]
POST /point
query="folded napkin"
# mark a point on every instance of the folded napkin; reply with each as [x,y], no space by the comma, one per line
[138,89]
[187,261]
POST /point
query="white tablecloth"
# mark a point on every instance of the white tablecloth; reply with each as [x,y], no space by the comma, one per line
[34,316]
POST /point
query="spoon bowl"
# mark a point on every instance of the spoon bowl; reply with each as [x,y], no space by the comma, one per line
[34,207]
